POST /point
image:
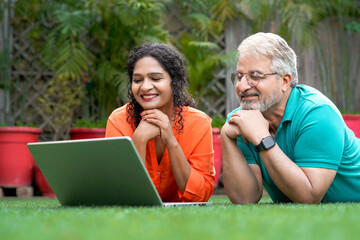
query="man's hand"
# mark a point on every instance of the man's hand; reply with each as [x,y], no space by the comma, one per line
[252,125]
[232,131]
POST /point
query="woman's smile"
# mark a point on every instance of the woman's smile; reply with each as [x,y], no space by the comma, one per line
[148,96]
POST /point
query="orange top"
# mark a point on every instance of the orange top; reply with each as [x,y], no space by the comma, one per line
[195,140]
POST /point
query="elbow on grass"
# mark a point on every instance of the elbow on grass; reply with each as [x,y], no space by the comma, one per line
[246,199]
[243,202]
[309,199]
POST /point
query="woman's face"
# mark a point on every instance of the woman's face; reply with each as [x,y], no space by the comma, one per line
[151,85]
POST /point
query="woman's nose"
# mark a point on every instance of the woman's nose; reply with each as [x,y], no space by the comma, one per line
[147,84]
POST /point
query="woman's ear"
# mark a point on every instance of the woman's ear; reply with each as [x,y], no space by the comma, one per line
[286,81]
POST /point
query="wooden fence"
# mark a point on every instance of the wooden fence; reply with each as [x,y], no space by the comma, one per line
[332,66]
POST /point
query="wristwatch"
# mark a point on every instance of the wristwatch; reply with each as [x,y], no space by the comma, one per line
[265,144]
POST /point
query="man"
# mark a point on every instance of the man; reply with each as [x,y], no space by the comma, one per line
[285,137]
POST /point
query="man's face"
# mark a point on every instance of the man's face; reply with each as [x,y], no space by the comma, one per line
[267,94]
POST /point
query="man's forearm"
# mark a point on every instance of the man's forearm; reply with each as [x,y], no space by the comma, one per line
[240,182]
[291,179]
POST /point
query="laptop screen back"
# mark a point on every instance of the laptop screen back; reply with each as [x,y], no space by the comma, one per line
[101,171]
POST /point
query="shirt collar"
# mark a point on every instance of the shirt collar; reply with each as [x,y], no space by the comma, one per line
[291,105]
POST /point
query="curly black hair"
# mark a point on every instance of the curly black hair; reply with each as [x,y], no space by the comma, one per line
[172,61]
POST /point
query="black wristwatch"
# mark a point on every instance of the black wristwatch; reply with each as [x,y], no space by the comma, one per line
[265,144]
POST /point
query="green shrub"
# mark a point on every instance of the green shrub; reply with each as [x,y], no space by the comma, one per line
[218,121]
[89,123]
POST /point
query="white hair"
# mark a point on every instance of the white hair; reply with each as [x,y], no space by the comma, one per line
[276,49]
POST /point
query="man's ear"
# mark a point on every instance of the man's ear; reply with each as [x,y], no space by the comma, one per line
[286,81]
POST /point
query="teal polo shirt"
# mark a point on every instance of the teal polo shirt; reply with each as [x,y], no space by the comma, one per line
[312,133]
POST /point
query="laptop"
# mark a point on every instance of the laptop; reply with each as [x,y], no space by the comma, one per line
[98,172]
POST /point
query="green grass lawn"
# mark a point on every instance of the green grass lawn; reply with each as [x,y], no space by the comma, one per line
[46,219]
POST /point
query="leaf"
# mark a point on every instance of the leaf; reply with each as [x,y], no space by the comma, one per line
[223,10]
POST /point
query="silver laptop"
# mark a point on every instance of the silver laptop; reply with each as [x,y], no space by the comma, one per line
[97,172]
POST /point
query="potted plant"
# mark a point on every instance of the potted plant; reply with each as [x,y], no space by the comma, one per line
[16,162]
[88,128]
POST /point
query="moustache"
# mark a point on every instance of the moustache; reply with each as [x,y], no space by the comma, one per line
[250,93]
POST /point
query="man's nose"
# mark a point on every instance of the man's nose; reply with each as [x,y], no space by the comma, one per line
[242,85]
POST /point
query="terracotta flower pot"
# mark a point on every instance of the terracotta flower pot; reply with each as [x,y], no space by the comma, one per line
[42,184]
[85,133]
[217,154]
[16,162]
[353,122]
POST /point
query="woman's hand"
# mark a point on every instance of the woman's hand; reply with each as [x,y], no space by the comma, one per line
[147,130]
[142,134]
[157,118]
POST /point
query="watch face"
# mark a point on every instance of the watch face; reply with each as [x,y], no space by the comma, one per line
[268,142]
[265,144]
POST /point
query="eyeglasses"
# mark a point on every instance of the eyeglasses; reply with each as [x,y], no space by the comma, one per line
[253,78]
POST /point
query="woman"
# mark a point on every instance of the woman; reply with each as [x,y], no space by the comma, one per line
[173,139]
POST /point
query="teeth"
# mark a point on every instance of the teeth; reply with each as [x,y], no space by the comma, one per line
[148,96]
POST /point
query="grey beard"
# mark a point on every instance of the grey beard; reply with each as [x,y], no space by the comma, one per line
[261,105]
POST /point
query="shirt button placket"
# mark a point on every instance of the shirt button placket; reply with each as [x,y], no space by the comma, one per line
[157,181]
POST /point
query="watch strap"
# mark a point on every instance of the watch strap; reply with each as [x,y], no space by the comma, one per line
[265,144]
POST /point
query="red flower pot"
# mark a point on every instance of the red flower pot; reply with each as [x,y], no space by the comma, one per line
[217,154]
[85,133]
[42,184]
[353,122]
[16,162]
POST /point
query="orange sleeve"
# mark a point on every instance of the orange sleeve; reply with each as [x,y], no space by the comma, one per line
[200,185]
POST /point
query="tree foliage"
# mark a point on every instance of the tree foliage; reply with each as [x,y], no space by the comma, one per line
[86,42]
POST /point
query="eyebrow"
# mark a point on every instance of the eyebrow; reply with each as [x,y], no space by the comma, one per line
[258,71]
[155,73]
[152,73]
